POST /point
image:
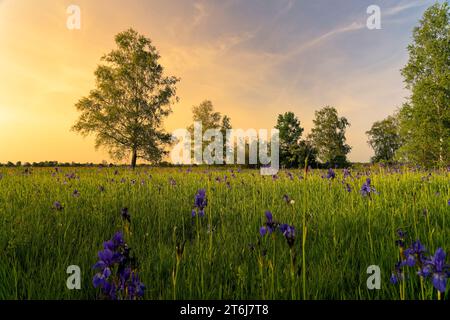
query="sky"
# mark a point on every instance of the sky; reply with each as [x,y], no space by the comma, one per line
[254,59]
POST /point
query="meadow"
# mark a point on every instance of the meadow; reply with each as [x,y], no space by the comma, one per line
[51,218]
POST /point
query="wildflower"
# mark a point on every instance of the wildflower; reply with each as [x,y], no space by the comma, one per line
[115,275]
[413,254]
[200,202]
[288,200]
[262,231]
[401,233]
[76,193]
[289,233]
[437,268]
[57,206]
[270,225]
[397,275]
[70,175]
[172,182]
[394,278]
[125,214]
[400,242]
[347,173]
[331,174]
[367,188]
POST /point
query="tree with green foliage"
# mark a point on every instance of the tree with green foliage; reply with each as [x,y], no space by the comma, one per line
[204,113]
[210,119]
[328,137]
[293,151]
[125,111]
[384,138]
[290,133]
[425,118]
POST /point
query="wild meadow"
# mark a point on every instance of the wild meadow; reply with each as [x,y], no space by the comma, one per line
[216,233]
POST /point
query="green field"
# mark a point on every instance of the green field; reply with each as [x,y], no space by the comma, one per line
[338,233]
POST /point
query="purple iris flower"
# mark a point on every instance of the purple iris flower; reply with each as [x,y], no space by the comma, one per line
[116,277]
[437,269]
[262,231]
[331,174]
[200,202]
[200,199]
[289,233]
[394,278]
[415,253]
[270,225]
[397,275]
[57,206]
[347,173]
[367,188]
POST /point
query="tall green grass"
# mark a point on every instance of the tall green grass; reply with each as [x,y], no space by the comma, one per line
[339,233]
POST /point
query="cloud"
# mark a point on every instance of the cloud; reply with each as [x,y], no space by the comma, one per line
[405,6]
[322,38]
[200,13]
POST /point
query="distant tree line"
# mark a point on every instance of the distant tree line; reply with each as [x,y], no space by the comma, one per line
[52,164]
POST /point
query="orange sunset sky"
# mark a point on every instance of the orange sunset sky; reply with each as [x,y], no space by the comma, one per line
[253,59]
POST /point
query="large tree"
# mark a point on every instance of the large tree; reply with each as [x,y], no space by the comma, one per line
[131,98]
[425,118]
[294,152]
[328,136]
[384,139]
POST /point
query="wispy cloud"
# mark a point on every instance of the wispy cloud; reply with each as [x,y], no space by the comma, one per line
[322,38]
[405,6]
[200,13]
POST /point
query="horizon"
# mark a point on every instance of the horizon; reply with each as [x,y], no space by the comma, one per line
[245,57]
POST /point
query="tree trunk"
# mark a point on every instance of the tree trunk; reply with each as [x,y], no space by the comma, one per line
[134,158]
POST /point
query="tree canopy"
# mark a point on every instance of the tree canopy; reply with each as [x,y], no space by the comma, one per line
[425,117]
[294,152]
[328,136]
[384,138]
[132,96]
